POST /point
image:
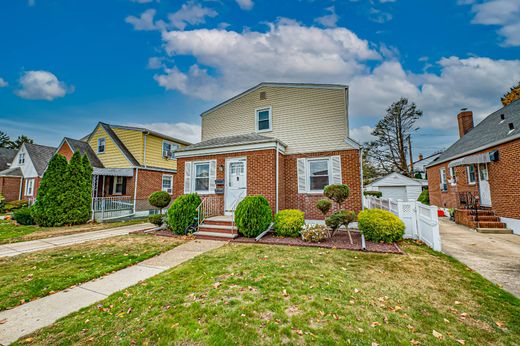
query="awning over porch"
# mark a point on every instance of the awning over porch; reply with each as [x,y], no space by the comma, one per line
[114,172]
[470,160]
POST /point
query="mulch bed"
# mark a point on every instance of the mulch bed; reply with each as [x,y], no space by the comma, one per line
[339,241]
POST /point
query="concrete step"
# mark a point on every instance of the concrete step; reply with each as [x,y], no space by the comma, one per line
[495,230]
[214,235]
[218,222]
[490,224]
[218,228]
[487,218]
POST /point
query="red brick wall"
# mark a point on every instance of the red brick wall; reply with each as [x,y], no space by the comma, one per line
[66,151]
[10,188]
[503,181]
[148,182]
[36,186]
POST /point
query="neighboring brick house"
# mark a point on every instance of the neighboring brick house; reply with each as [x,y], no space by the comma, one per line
[7,189]
[22,179]
[481,170]
[129,164]
[283,141]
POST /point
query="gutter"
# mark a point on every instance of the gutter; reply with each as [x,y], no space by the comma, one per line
[144,149]
[277,177]
[135,187]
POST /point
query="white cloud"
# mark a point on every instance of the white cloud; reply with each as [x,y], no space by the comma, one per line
[245,4]
[362,134]
[379,16]
[31,2]
[155,62]
[41,85]
[328,20]
[188,132]
[190,13]
[145,21]
[3,83]
[144,1]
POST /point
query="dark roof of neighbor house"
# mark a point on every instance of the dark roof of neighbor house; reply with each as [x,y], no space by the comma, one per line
[84,149]
[489,132]
[6,157]
[251,138]
[40,156]
[13,172]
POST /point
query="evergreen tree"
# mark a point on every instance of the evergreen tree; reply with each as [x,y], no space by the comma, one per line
[76,206]
[87,171]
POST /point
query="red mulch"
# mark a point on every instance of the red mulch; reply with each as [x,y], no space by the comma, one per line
[339,241]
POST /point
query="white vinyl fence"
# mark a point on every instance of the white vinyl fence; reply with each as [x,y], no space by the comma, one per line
[421,221]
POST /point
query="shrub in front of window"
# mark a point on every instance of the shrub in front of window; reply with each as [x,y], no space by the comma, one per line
[380,226]
[340,218]
[324,206]
[377,194]
[23,216]
[160,199]
[253,215]
[424,197]
[289,222]
[183,212]
[314,233]
[156,219]
[337,193]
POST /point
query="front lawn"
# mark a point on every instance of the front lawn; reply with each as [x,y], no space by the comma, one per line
[29,276]
[11,233]
[258,294]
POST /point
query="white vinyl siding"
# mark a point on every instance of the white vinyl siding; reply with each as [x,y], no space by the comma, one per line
[200,177]
[167,183]
[317,172]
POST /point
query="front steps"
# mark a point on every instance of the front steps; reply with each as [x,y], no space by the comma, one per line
[217,228]
[487,222]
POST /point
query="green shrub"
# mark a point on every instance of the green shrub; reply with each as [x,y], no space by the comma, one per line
[340,218]
[160,199]
[23,216]
[13,205]
[377,194]
[183,212]
[380,226]
[424,197]
[2,203]
[314,233]
[253,215]
[156,219]
[338,193]
[289,222]
[324,206]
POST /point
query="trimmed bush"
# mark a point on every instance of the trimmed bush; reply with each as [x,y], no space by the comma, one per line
[160,199]
[324,206]
[156,219]
[340,218]
[377,194]
[380,226]
[289,222]
[337,193]
[314,233]
[253,215]
[2,203]
[23,216]
[424,197]
[13,205]
[183,212]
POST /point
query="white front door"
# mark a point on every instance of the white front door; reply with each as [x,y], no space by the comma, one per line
[485,192]
[236,183]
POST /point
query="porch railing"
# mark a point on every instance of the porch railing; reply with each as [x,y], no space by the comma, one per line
[105,208]
[210,206]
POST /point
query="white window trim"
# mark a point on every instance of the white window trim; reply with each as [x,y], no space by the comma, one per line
[29,182]
[21,159]
[444,179]
[173,148]
[475,173]
[104,145]
[308,173]
[194,177]
[453,176]
[171,183]
[258,110]
[114,190]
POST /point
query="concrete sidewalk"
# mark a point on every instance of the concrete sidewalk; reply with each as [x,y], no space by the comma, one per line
[494,256]
[40,313]
[14,249]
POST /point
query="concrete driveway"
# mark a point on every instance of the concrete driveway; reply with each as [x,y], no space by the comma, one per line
[494,256]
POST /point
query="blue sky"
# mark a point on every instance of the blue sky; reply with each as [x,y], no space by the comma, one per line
[65,65]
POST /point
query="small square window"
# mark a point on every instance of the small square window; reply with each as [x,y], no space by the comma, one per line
[167,183]
[101,145]
[263,120]
[21,158]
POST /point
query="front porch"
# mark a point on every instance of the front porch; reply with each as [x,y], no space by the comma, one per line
[112,196]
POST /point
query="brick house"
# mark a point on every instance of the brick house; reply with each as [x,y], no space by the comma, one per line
[21,180]
[129,163]
[283,141]
[480,170]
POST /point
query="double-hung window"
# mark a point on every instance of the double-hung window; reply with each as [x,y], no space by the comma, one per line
[29,187]
[472,175]
[167,183]
[201,178]
[118,185]
[101,145]
[318,173]
[453,176]
[21,158]
[168,149]
[264,120]
[444,185]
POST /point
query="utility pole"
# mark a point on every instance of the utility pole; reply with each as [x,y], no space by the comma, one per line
[411,155]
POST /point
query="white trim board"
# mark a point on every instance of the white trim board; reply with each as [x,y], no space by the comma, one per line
[230,149]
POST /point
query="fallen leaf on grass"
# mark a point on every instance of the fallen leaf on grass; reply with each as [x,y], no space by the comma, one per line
[500,324]
[446,320]
[360,330]
[414,342]
[216,285]
[462,342]
[285,294]
[356,290]
[374,324]
[437,334]
[375,344]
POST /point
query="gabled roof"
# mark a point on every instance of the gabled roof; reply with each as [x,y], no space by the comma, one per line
[6,157]
[251,138]
[280,85]
[84,149]
[12,172]
[396,179]
[119,144]
[489,132]
[40,156]
[143,130]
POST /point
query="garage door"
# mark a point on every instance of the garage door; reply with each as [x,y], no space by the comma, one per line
[394,192]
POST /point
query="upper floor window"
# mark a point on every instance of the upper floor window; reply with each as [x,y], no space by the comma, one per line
[167,183]
[264,120]
[444,186]
[21,158]
[472,176]
[101,145]
[453,176]
[168,149]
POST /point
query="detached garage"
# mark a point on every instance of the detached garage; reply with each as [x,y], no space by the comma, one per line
[397,186]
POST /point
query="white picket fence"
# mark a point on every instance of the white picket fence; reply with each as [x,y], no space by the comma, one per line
[421,221]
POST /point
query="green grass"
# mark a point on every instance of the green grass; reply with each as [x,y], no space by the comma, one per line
[12,233]
[29,276]
[257,294]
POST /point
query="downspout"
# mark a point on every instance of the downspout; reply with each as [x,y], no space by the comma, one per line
[144,152]
[277,178]
[361,174]
[135,186]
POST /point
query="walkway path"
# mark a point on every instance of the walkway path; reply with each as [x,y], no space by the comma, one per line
[14,249]
[494,256]
[40,313]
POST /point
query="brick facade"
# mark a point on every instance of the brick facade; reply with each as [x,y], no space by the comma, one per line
[66,151]
[261,178]
[10,188]
[503,181]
